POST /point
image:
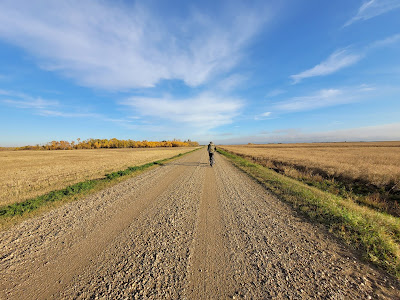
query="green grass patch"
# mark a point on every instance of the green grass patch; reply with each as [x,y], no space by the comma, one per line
[33,204]
[14,213]
[384,198]
[374,234]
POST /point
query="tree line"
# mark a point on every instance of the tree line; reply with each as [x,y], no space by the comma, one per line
[108,143]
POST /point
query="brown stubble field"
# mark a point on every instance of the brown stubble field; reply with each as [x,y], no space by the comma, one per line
[370,166]
[27,174]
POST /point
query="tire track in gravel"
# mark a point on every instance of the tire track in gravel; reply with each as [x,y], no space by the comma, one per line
[209,271]
[41,276]
[277,255]
[182,231]
[149,259]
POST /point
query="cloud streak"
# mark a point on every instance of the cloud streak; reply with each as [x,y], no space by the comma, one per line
[21,100]
[55,113]
[31,103]
[201,112]
[373,8]
[386,42]
[263,116]
[42,107]
[319,99]
[336,61]
[323,98]
[123,46]
[275,93]
[383,132]
[343,58]
[231,82]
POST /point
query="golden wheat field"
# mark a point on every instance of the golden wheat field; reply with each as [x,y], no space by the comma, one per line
[375,162]
[26,174]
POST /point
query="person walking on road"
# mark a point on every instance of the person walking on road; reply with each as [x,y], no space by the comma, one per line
[211,152]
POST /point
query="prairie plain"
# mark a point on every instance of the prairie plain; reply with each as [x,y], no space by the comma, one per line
[183,231]
[368,171]
[27,174]
[378,163]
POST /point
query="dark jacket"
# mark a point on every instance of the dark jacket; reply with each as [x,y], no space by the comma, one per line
[211,148]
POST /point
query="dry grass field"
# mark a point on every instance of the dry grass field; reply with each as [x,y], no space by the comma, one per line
[378,163]
[373,167]
[27,174]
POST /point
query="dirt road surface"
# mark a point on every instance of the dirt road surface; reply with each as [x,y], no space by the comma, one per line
[182,231]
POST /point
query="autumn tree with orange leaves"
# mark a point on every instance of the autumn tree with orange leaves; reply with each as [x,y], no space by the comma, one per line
[111,143]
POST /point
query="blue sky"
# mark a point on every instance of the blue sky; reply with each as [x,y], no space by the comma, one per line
[226,71]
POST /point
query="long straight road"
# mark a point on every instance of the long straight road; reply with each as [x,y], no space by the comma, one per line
[181,231]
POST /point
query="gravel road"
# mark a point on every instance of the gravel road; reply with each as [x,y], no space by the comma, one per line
[182,231]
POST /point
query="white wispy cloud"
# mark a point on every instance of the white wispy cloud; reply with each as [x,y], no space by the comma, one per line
[55,113]
[324,98]
[31,103]
[318,99]
[343,58]
[113,45]
[263,116]
[336,61]
[275,93]
[42,107]
[373,8]
[22,100]
[205,111]
[386,42]
[54,109]
[231,82]
[382,132]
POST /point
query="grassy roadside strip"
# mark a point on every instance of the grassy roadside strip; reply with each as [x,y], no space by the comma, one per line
[17,212]
[376,235]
